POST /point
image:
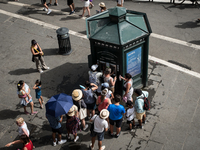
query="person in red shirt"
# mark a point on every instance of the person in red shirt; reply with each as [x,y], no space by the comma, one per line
[28,145]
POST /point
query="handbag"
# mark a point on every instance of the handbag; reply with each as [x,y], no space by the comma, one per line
[82,112]
[92,125]
[94,95]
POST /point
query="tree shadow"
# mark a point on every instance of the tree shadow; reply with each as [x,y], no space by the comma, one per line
[74,146]
[64,79]
[7,113]
[195,42]
[22,71]
[183,6]
[189,24]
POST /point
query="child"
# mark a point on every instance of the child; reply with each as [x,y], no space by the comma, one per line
[130,113]
[102,7]
[23,130]
[37,88]
[109,94]
[22,93]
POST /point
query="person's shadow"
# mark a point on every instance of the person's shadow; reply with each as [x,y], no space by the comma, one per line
[22,71]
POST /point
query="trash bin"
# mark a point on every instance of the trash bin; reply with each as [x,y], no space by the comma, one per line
[64,41]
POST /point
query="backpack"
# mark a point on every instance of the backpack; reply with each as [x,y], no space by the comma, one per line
[146,103]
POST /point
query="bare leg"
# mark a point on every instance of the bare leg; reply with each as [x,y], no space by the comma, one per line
[88,112]
[73,6]
[50,1]
[100,144]
[83,123]
[75,135]
[31,103]
[93,113]
[59,137]
[140,122]
[88,9]
[144,117]
[118,130]
[45,5]
[54,136]
[130,126]
[83,11]
[40,103]
[25,109]
[42,99]
[93,141]
[70,6]
[111,129]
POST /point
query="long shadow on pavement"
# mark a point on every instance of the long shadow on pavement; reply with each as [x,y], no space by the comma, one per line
[64,79]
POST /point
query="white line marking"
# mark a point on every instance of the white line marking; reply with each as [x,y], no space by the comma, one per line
[176,67]
[173,40]
[47,25]
[162,37]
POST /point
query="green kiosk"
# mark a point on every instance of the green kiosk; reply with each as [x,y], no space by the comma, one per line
[119,39]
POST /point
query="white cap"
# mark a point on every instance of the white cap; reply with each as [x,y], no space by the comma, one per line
[94,67]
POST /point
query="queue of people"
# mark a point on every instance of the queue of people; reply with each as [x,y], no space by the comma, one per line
[101,106]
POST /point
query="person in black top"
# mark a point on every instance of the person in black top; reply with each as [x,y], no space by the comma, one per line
[38,56]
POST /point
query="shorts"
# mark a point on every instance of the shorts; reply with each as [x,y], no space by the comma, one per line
[129,122]
[139,116]
[91,106]
[69,2]
[43,1]
[100,136]
[59,130]
[118,122]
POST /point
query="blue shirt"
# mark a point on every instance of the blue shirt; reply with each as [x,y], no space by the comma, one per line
[139,102]
[54,121]
[116,111]
[38,92]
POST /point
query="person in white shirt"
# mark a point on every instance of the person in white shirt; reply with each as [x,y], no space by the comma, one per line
[100,126]
[130,114]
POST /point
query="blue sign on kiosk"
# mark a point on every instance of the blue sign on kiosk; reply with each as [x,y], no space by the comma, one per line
[119,39]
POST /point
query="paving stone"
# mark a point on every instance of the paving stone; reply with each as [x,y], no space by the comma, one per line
[154,145]
[137,143]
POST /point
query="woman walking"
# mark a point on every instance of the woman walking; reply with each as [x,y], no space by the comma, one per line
[38,56]
[86,6]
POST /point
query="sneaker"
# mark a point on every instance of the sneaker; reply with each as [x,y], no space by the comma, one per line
[54,143]
[71,12]
[48,4]
[35,112]
[111,134]
[86,126]
[117,135]
[69,137]
[92,148]
[40,71]
[62,141]
[49,11]
[103,147]
[92,5]
[74,10]
[76,139]
[41,106]
[140,127]
[56,4]
[46,68]
[144,122]
[44,9]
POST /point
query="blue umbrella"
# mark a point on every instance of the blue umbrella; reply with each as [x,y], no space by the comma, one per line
[59,105]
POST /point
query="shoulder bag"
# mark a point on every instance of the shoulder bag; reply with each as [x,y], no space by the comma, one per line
[82,112]
[92,125]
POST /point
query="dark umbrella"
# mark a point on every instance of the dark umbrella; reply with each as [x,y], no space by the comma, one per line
[59,105]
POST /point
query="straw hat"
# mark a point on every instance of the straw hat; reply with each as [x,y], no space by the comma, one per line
[102,4]
[72,111]
[77,94]
[104,113]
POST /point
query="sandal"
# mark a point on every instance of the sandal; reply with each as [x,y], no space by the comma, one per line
[26,112]
[35,112]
